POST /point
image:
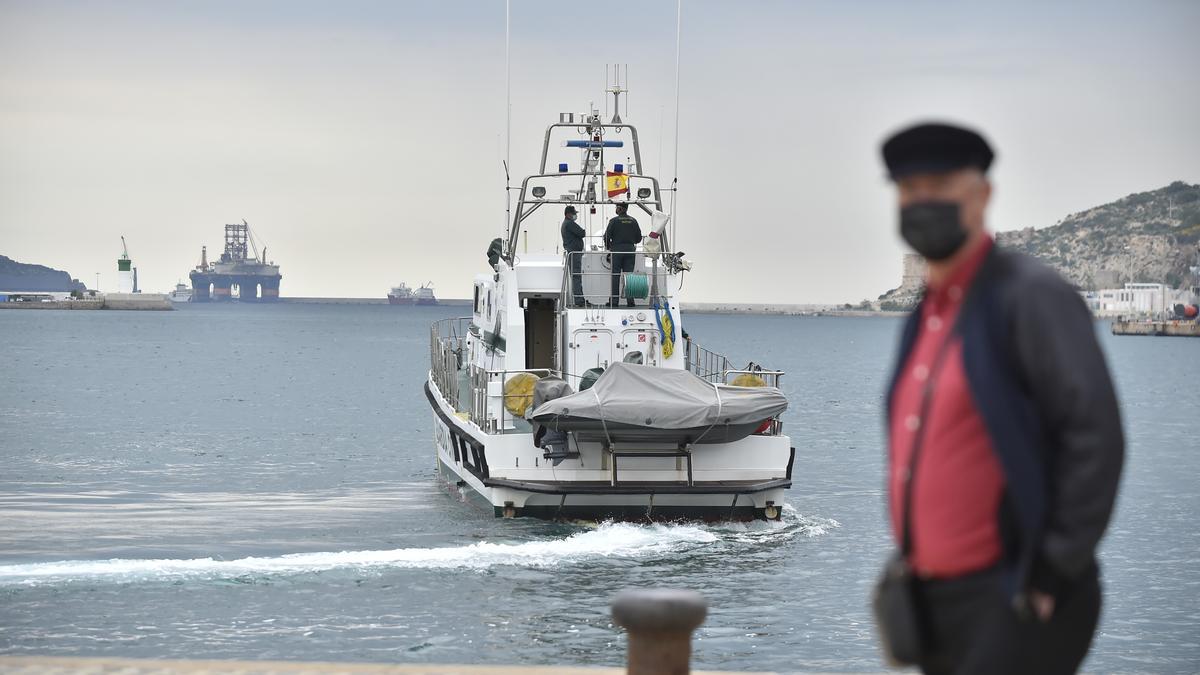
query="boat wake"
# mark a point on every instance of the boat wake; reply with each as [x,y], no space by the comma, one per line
[603,541]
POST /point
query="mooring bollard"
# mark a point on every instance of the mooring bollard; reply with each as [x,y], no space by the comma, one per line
[660,622]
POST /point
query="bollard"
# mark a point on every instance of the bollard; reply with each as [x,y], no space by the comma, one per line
[660,622]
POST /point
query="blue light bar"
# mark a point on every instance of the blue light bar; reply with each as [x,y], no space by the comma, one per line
[562,168]
[594,144]
[619,168]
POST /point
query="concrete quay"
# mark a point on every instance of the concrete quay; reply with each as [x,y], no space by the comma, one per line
[1162,328]
[143,301]
[55,304]
[135,301]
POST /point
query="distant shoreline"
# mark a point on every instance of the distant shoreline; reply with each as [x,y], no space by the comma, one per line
[783,310]
[453,302]
[689,307]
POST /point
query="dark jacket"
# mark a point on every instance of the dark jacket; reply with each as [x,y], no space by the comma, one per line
[622,234]
[572,235]
[1039,380]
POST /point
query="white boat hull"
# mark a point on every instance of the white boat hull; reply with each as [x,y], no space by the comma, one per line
[505,472]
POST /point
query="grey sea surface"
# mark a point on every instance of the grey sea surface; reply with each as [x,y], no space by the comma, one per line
[257,482]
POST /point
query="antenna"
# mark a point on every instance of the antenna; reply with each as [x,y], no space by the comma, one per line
[507,118]
[675,180]
[616,90]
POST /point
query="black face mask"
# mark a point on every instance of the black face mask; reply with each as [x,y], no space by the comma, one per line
[933,229]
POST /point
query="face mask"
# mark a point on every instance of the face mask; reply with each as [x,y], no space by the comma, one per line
[933,229]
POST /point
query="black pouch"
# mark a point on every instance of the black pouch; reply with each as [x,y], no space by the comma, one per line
[896,616]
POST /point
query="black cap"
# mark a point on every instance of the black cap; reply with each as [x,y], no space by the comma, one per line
[623,206]
[935,148]
[569,210]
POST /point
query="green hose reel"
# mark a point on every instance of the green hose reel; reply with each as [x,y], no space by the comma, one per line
[637,285]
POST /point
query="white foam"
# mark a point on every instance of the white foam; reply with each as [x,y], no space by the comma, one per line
[607,540]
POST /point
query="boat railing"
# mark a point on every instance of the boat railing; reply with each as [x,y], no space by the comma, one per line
[447,344]
[530,200]
[705,364]
[770,378]
[639,286]
[717,368]
[487,386]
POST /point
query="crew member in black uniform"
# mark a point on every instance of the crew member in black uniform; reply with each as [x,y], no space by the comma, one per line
[621,237]
[572,239]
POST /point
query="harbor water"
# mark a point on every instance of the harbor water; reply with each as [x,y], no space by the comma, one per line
[257,482]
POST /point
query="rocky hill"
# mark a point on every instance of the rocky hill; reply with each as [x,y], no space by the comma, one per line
[1149,237]
[15,276]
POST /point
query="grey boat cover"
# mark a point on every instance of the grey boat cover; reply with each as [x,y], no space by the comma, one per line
[549,388]
[546,389]
[636,402]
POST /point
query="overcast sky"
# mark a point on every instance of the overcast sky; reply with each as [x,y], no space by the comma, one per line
[362,140]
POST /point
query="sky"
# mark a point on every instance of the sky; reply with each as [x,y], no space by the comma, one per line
[363,141]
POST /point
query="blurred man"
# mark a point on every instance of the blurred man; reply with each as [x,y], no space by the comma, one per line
[622,236]
[572,240]
[1005,435]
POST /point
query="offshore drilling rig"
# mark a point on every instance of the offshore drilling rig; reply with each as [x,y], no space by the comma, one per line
[236,275]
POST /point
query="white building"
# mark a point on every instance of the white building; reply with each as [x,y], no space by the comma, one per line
[1135,299]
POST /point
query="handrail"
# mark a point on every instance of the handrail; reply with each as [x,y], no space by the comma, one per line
[705,364]
[519,213]
[651,269]
[481,378]
[447,340]
[448,365]
[637,148]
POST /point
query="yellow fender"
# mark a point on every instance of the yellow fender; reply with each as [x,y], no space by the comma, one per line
[518,393]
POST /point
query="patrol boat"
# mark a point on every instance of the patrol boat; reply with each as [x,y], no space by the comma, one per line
[544,408]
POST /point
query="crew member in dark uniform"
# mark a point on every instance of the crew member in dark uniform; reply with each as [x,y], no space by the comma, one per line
[621,237]
[572,239]
[1005,435]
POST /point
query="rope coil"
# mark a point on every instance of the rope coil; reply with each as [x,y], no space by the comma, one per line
[637,285]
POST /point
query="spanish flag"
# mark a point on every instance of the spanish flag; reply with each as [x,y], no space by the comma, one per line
[618,183]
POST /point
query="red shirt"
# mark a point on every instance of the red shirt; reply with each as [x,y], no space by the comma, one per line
[958,481]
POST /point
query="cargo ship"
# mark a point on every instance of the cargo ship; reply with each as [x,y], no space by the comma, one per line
[182,293]
[403,295]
